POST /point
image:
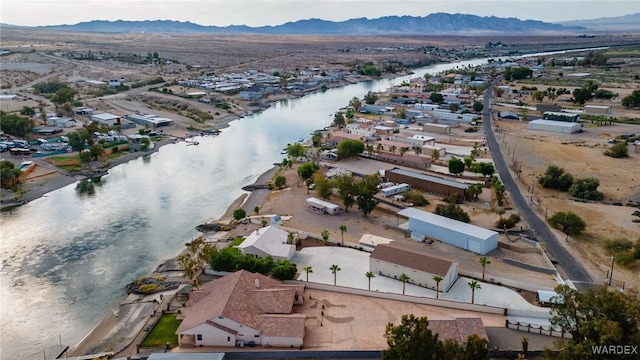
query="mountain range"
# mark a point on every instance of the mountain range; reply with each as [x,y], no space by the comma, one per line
[432,24]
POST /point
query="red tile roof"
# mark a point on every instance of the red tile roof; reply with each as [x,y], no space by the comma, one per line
[242,297]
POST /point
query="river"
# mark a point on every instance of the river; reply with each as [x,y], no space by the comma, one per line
[65,258]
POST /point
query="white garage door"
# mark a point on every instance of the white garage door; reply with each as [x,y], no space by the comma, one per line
[474,245]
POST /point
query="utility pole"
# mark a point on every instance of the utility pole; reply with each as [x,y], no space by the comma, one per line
[613,258]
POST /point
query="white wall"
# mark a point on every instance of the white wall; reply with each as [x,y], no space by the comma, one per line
[295,342]
[417,277]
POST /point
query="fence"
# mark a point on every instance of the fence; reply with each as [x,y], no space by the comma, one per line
[537,329]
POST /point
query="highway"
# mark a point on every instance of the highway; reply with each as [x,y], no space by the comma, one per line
[571,268]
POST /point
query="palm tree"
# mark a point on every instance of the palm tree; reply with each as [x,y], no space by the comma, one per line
[290,238]
[256,210]
[403,150]
[379,147]
[437,279]
[308,269]
[393,149]
[369,149]
[325,235]
[404,278]
[334,270]
[474,285]
[484,261]
[343,229]
[417,150]
[435,154]
[370,275]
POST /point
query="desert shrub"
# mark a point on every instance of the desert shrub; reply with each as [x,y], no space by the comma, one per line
[452,211]
[615,246]
[239,214]
[618,150]
[509,222]
[626,259]
[415,197]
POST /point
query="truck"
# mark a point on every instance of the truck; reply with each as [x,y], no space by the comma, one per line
[395,189]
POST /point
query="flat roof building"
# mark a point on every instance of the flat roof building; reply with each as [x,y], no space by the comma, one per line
[561,127]
[427,183]
[107,119]
[149,120]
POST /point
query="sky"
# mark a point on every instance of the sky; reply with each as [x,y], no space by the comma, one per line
[276,12]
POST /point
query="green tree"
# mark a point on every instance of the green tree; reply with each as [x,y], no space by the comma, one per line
[370,98]
[295,150]
[437,279]
[417,150]
[393,149]
[308,269]
[619,150]
[454,107]
[401,113]
[567,222]
[556,178]
[484,261]
[9,174]
[96,151]
[452,211]
[323,186]
[594,317]
[474,285]
[280,181]
[403,150]
[225,260]
[334,270]
[338,120]
[478,106]
[85,156]
[28,111]
[586,188]
[435,154]
[475,190]
[284,270]
[415,197]
[370,275]
[538,96]
[436,98]
[350,148]
[412,340]
[355,104]
[632,100]
[365,191]
[456,166]
[63,95]
[198,253]
[256,210]
[468,161]
[239,214]
[585,92]
[343,229]
[324,234]
[307,169]
[404,278]
[15,125]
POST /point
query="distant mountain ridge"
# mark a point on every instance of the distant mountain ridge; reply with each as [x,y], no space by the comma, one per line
[625,22]
[437,23]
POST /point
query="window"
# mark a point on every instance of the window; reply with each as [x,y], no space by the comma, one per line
[228,338]
[199,337]
[256,336]
[220,317]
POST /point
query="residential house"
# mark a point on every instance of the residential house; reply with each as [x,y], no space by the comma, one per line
[268,241]
[241,309]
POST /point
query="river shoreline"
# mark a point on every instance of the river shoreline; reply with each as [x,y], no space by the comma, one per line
[111,324]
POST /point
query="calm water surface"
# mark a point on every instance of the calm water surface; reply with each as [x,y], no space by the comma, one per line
[66,258]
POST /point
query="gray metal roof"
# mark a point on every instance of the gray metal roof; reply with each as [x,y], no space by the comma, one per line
[434,179]
[445,222]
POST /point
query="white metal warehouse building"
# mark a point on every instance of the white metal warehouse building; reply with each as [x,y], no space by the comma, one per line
[424,225]
[561,127]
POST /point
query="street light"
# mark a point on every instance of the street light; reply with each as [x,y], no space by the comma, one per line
[613,258]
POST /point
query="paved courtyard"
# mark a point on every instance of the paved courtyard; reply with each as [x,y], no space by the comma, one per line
[354,264]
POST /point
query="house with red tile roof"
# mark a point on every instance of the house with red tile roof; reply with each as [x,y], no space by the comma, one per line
[393,261]
[241,309]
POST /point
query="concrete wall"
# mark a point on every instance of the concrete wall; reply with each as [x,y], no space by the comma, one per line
[407,298]
[290,342]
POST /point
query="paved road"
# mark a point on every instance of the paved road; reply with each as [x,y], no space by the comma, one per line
[572,269]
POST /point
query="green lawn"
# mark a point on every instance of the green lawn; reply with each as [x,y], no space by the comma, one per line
[164,332]
[71,167]
[237,241]
[64,158]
